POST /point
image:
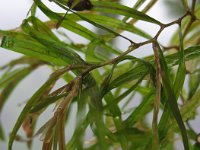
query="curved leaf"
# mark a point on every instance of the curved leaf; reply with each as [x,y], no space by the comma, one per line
[114,8]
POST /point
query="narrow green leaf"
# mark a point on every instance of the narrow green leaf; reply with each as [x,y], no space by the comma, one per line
[94,23]
[141,110]
[24,44]
[78,133]
[78,29]
[10,76]
[165,123]
[191,105]
[180,76]
[140,70]
[110,23]
[116,114]
[110,48]
[114,8]
[68,23]
[127,92]
[110,101]
[104,86]
[90,52]
[33,9]
[189,54]
[12,83]
[24,60]
[194,84]
[130,75]
[42,28]
[46,102]
[100,130]
[172,98]
[138,4]
[57,46]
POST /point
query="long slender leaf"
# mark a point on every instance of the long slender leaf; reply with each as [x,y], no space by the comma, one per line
[141,110]
[172,99]
[20,42]
[13,83]
[114,8]
[180,77]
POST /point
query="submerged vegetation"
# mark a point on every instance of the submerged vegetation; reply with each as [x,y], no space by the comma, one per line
[102,81]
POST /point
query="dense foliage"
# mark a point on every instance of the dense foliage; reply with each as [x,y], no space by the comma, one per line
[102,81]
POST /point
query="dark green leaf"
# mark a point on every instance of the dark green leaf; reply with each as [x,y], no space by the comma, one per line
[141,110]
[180,76]
[172,98]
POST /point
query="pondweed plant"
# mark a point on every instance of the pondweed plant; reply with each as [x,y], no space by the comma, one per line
[100,78]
